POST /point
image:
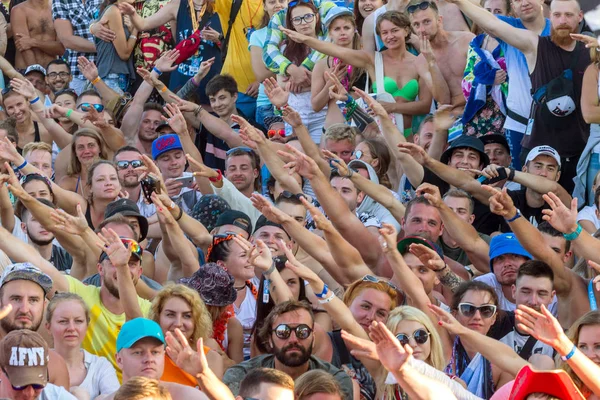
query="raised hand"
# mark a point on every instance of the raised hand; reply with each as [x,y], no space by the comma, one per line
[68,223]
[24,88]
[560,217]
[201,169]
[447,320]
[321,221]
[299,162]
[163,207]
[148,77]
[540,324]
[389,350]
[443,119]
[9,153]
[431,193]
[337,91]
[360,347]
[87,67]
[179,350]
[426,50]
[184,105]
[427,256]
[55,111]
[294,36]
[415,151]
[490,172]
[126,8]
[95,118]
[596,267]
[340,164]
[204,68]
[373,104]
[166,62]
[110,243]
[268,209]
[176,119]
[297,267]
[588,40]
[500,202]
[291,116]
[259,254]
[388,237]
[277,95]
[246,140]
[13,182]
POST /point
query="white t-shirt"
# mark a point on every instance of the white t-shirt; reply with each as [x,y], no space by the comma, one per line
[515,340]
[101,376]
[246,314]
[588,213]
[53,392]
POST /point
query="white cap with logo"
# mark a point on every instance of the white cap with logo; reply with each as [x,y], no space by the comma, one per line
[543,151]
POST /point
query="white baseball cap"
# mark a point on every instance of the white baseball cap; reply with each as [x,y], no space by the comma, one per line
[543,151]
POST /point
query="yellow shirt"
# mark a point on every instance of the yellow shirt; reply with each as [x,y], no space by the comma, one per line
[104,326]
[237,63]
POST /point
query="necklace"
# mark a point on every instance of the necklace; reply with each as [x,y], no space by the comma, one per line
[240,288]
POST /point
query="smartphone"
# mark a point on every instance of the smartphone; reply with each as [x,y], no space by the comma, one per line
[149,186]
[186,181]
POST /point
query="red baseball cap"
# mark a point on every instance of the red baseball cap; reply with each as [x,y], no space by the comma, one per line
[555,383]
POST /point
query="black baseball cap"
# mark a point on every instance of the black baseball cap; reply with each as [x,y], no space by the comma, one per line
[263,221]
[468,142]
[496,138]
[235,218]
[127,208]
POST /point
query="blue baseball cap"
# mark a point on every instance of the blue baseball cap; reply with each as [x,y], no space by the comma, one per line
[506,243]
[165,143]
[137,329]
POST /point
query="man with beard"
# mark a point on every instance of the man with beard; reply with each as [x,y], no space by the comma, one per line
[128,159]
[151,119]
[289,332]
[559,116]
[25,286]
[534,286]
[58,76]
[118,281]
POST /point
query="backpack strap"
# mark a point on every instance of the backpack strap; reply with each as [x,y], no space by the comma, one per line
[235,9]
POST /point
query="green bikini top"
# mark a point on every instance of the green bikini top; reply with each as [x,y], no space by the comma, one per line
[408,92]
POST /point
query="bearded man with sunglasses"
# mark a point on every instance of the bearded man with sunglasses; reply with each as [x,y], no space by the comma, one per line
[289,332]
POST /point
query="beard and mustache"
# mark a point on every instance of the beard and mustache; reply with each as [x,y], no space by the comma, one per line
[294,359]
[561,35]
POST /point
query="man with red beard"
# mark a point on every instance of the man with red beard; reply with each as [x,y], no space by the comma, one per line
[289,333]
[559,116]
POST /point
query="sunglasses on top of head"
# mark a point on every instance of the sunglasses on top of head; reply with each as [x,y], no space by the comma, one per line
[421,6]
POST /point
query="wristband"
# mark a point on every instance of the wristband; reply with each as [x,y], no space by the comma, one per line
[180,214]
[323,293]
[158,71]
[96,80]
[20,167]
[570,355]
[164,89]
[218,177]
[68,113]
[511,174]
[270,270]
[34,100]
[517,216]
[327,300]
[573,235]
[194,82]
[440,269]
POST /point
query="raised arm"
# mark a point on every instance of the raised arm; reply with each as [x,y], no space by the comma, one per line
[164,15]
[90,72]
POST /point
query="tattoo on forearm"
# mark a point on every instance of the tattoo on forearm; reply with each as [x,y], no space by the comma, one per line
[450,280]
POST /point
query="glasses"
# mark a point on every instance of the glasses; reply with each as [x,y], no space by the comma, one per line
[302,331]
[306,19]
[469,310]
[420,335]
[421,6]
[131,244]
[126,163]
[87,106]
[240,148]
[374,279]
[34,386]
[358,154]
[62,75]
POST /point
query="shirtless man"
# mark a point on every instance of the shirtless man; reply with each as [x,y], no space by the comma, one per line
[34,33]
[439,47]
[453,20]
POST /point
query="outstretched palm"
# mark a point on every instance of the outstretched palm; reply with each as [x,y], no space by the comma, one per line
[560,216]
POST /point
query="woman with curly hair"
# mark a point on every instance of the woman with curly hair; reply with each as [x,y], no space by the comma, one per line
[180,307]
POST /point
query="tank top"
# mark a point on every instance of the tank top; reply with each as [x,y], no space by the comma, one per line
[568,138]
[36,136]
[108,60]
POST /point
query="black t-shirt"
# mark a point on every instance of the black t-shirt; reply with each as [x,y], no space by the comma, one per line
[485,221]
[533,215]
[61,260]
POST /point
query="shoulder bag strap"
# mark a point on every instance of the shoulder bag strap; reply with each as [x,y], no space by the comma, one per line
[526,350]
[235,9]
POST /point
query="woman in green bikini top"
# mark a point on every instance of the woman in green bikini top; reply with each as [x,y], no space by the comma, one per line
[401,77]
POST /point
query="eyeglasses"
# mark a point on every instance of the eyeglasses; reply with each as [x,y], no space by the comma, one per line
[87,106]
[131,244]
[294,3]
[239,148]
[374,279]
[420,335]
[358,154]
[126,163]
[421,6]
[302,331]
[306,19]
[469,310]
[62,75]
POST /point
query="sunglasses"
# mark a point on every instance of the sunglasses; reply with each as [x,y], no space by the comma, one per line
[306,18]
[302,331]
[358,154]
[273,133]
[88,106]
[294,3]
[421,336]
[374,279]
[289,195]
[125,164]
[34,386]
[131,244]
[421,6]
[469,310]
[240,148]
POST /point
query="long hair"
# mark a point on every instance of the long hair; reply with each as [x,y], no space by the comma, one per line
[380,151]
[104,5]
[74,167]
[90,177]
[356,45]
[200,316]
[358,286]
[590,319]
[359,18]
[297,52]
[263,309]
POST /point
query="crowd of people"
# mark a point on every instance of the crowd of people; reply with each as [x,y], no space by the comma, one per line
[305,199]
